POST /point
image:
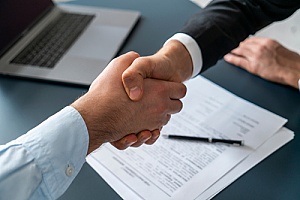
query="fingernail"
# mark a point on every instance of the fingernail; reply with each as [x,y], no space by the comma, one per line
[155,137]
[134,93]
[129,143]
[143,138]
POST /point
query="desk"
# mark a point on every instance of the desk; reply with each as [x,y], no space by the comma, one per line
[26,103]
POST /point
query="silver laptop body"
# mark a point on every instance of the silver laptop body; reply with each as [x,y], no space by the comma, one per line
[83,60]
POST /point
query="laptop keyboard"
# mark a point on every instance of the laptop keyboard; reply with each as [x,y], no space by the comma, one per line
[50,45]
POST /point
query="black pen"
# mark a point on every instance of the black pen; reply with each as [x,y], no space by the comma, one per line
[205,139]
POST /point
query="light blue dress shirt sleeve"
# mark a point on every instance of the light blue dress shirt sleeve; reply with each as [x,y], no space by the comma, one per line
[43,163]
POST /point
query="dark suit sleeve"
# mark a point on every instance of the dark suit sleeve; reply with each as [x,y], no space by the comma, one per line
[223,24]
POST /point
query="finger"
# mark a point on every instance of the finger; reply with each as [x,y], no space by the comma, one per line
[242,51]
[154,137]
[237,60]
[133,78]
[246,47]
[125,142]
[177,90]
[126,59]
[142,137]
[175,106]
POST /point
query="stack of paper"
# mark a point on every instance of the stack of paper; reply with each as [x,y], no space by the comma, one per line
[172,169]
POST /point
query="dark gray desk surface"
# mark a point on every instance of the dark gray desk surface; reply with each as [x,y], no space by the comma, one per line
[25,103]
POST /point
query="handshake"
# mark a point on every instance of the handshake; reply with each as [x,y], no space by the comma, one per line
[131,100]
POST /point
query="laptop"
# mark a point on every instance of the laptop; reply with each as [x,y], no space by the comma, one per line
[60,42]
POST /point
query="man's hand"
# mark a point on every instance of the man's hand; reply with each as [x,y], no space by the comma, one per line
[110,115]
[171,63]
[268,59]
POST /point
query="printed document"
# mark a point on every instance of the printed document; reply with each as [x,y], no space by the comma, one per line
[173,169]
[279,139]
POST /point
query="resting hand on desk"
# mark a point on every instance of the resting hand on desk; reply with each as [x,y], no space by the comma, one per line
[110,115]
[268,59]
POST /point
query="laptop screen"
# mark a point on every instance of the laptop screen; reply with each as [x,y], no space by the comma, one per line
[18,15]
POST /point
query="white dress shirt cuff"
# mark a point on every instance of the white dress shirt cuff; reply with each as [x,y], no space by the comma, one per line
[299,85]
[193,49]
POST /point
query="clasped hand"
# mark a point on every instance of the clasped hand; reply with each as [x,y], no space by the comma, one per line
[110,114]
[173,64]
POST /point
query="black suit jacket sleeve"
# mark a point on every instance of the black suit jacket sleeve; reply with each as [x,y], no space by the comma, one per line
[223,24]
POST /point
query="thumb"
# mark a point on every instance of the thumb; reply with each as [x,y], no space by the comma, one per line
[133,77]
[134,84]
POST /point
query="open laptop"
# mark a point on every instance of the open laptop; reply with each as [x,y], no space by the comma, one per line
[64,43]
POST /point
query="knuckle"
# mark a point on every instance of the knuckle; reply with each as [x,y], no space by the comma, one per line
[133,53]
[142,61]
[161,120]
[161,109]
[254,68]
[270,41]
[238,62]
[262,47]
[128,76]
[162,89]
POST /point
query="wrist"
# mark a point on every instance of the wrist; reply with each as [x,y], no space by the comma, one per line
[96,139]
[179,59]
[193,50]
